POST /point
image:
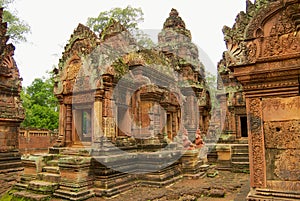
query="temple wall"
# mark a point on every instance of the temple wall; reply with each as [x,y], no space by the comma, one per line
[281,131]
[36,141]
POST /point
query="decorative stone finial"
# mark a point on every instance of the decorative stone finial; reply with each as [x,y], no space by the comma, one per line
[175,23]
[174,20]
[174,13]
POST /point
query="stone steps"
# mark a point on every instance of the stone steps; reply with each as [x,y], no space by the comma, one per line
[24,181]
[212,155]
[99,192]
[69,195]
[53,163]
[9,165]
[24,195]
[240,159]
[20,186]
[76,152]
[241,163]
[10,158]
[42,187]
[51,169]
[50,177]
[73,189]
[240,151]
[237,155]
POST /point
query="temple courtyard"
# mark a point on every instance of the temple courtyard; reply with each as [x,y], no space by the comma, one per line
[140,124]
[222,186]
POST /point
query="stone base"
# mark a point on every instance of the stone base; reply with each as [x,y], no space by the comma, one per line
[190,162]
[10,169]
[271,195]
[80,173]
[113,184]
[161,178]
[224,165]
[24,195]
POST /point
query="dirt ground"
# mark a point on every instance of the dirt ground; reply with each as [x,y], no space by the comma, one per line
[234,185]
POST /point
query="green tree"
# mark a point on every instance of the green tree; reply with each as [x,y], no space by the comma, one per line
[40,104]
[129,17]
[17,28]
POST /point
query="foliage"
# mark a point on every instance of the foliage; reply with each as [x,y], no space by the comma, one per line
[41,107]
[8,196]
[129,17]
[17,28]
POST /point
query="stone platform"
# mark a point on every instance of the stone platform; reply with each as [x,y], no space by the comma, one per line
[81,173]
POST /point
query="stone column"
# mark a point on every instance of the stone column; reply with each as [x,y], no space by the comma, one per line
[68,125]
[97,120]
[62,125]
[108,121]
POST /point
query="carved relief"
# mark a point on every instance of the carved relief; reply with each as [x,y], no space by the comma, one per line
[281,45]
[252,52]
[256,143]
[258,15]
[283,25]
[109,127]
[83,98]
[287,165]
[281,109]
[284,134]
[265,59]
[283,38]
[74,65]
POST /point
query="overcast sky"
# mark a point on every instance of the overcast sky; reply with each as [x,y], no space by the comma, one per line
[52,23]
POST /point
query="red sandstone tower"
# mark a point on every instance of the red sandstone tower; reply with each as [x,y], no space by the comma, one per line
[11,112]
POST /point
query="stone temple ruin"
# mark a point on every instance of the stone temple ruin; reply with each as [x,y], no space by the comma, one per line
[130,115]
[11,113]
[263,55]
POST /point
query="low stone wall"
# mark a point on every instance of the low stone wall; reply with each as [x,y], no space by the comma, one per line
[36,144]
[36,140]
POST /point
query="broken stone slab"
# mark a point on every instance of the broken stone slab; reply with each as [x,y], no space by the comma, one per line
[219,193]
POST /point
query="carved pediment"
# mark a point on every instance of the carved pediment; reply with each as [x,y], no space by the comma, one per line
[268,29]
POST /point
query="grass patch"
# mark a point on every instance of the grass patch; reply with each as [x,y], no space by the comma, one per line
[8,196]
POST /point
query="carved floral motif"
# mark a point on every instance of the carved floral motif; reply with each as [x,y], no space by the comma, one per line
[282,39]
[282,135]
[287,165]
[256,142]
[281,45]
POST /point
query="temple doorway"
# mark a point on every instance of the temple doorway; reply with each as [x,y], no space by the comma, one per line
[83,126]
[244,126]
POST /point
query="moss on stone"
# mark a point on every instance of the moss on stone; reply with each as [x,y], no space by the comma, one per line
[8,196]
